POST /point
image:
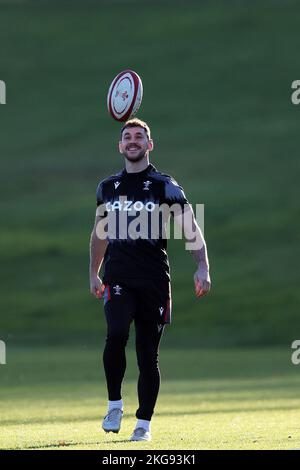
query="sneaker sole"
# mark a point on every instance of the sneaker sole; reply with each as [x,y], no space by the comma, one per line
[140,440]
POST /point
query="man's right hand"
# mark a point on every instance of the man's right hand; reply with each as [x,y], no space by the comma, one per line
[96,286]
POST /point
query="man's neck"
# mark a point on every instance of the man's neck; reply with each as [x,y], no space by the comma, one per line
[136,167]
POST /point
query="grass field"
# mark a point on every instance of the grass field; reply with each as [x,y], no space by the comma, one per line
[217,83]
[230,137]
[209,399]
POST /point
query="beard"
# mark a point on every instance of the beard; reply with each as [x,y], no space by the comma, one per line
[135,158]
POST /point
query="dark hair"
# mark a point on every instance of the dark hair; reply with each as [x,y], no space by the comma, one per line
[135,122]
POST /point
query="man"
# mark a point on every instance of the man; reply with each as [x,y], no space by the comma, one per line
[136,281]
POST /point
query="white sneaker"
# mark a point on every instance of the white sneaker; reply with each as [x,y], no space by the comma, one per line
[140,434]
[112,421]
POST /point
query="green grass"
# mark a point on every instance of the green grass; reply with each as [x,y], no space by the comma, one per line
[229,135]
[55,398]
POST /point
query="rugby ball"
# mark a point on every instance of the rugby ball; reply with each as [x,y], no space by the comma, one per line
[125,95]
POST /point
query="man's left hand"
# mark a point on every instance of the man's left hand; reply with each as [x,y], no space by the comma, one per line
[202,282]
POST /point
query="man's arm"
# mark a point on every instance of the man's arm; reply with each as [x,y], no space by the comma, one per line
[192,233]
[98,247]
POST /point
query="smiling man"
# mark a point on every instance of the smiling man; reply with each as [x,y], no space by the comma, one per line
[136,281]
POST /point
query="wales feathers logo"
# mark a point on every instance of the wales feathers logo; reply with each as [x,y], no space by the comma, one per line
[146,185]
[117,289]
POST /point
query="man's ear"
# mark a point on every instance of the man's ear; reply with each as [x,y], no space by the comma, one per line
[120,149]
[150,145]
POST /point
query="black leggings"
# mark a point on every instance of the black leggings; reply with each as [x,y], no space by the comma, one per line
[121,307]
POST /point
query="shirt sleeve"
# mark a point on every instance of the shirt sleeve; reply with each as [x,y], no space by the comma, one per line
[175,197]
[100,201]
[99,194]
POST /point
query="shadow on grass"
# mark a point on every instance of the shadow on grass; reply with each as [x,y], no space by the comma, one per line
[60,445]
[32,421]
[72,444]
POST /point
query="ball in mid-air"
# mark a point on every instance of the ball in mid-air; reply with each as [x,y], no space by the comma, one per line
[125,95]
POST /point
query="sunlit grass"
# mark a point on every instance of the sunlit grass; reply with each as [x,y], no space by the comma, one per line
[227,399]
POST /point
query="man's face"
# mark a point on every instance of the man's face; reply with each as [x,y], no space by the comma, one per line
[135,144]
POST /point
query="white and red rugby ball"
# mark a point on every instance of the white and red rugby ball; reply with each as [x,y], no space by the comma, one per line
[125,95]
